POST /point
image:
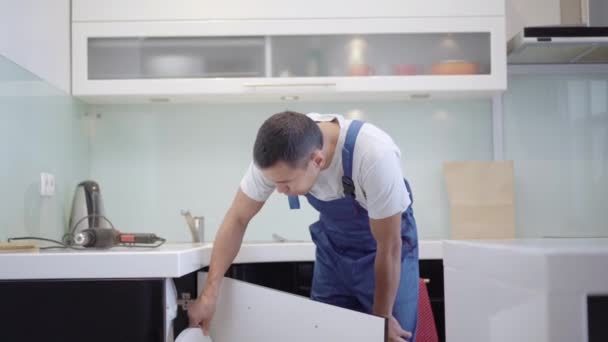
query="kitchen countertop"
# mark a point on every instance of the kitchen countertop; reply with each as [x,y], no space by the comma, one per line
[532,263]
[539,245]
[525,289]
[171,260]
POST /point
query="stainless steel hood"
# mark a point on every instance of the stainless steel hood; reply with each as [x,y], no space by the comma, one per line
[559,45]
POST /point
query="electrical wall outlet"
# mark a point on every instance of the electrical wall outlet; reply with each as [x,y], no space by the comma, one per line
[51,185]
[47,184]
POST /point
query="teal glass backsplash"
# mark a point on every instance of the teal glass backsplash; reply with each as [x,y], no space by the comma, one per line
[41,130]
[556,130]
[151,161]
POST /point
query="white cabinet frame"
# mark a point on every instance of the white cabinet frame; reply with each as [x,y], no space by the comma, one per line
[162,10]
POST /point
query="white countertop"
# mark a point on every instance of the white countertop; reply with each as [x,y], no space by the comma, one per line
[546,246]
[550,263]
[171,260]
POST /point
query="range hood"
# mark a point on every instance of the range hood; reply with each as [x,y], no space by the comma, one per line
[559,45]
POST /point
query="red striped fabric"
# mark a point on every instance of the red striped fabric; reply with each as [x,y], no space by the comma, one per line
[426,330]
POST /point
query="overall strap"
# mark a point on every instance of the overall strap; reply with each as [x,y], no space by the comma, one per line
[294,202]
[347,157]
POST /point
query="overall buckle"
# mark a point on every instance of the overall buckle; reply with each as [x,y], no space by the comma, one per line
[349,186]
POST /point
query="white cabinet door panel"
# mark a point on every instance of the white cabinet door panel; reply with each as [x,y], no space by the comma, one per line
[247,312]
[36,35]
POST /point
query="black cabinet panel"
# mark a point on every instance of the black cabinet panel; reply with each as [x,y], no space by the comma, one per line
[433,270]
[597,318]
[82,310]
[187,284]
[292,277]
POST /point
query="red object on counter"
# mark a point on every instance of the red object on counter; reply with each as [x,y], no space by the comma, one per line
[127,238]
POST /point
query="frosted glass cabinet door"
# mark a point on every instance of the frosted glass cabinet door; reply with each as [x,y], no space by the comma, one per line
[175,57]
[398,54]
[247,312]
[292,56]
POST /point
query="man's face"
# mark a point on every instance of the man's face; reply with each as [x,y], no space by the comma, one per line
[295,181]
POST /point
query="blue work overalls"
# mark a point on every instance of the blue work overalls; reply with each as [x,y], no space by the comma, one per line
[346,249]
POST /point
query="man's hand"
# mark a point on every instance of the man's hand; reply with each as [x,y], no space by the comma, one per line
[225,248]
[201,312]
[396,333]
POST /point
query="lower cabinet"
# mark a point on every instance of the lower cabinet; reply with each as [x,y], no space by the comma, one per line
[97,310]
[263,301]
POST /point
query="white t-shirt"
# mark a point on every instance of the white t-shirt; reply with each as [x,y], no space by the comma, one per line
[379,186]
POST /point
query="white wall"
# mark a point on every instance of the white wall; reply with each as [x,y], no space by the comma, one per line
[36,35]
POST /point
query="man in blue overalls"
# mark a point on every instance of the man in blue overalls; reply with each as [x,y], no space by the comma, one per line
[366,239]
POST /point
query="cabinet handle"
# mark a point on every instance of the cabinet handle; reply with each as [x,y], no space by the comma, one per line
[286,85]
[426,280]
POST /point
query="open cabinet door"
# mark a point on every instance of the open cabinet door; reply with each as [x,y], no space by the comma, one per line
[248,312]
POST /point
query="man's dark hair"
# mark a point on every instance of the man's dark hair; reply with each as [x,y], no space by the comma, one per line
[289,137]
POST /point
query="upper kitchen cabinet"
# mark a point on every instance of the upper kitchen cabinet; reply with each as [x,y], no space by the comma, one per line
[247,53]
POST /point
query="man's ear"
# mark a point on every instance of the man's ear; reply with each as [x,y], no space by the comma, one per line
[318,158]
